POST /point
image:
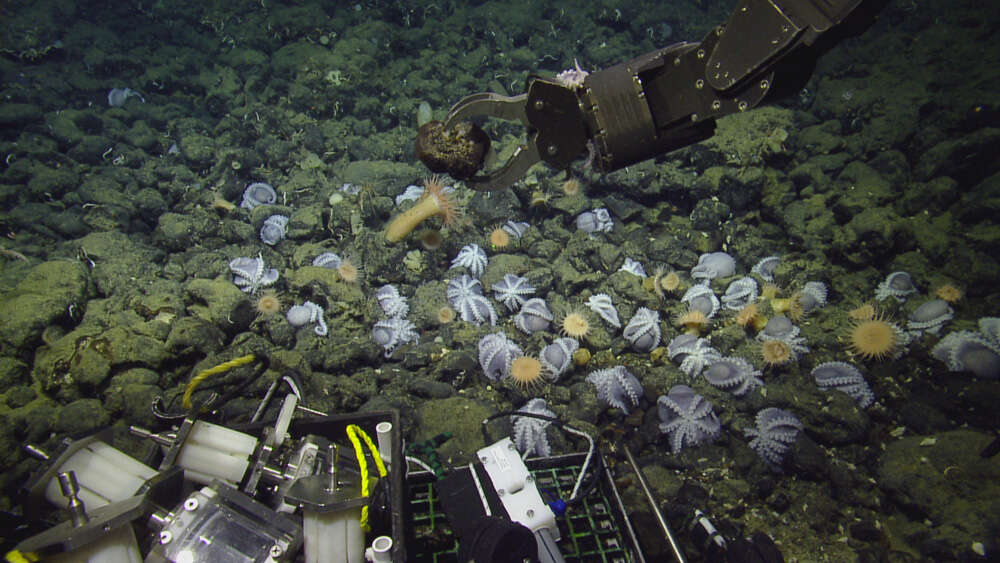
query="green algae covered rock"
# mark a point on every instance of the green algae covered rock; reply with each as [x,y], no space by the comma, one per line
[39,300]
[221,303]
[460,416]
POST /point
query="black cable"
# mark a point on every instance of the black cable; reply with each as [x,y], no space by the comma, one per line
[263,362]
[492,417]
[164,411]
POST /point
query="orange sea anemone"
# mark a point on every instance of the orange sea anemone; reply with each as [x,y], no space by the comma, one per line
[526,371]
[873,339]
[434,202]
[693,321]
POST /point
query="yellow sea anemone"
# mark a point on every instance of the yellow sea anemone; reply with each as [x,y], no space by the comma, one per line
[863,312]
[775,352]
[526,371]
[500,239]
[348,271]
[575,325]
[446,315]
[949,292]
[750,317]
[434,202]
[873,339]
[571,186]
[267,304]
[693,321]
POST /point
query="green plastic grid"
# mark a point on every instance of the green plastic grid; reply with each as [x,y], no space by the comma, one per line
[588,530]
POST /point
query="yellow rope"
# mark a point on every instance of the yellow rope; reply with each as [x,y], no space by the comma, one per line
[353,430]
[16,556]
[203,374]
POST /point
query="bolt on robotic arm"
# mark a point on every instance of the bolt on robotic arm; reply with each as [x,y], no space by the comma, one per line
[653,104]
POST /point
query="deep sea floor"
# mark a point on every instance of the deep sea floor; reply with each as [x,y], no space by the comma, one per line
[176,175]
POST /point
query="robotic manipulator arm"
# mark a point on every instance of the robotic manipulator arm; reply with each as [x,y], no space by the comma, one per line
[653,104]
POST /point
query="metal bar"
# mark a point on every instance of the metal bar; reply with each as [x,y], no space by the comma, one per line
[678,554]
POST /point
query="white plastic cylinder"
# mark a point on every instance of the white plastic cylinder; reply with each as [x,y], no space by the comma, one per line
[383,433]
[105,475]
[215,452]
[380,551]
[333,537]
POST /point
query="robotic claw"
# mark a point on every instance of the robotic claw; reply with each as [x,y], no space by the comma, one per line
[653,104]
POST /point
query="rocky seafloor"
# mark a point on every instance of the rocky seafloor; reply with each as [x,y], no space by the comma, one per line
[120,224]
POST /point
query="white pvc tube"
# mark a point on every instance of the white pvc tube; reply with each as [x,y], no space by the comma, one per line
[105,475]
[215,452]
[380,551]
[383,432]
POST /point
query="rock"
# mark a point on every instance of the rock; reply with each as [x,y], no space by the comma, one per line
[946,481]
[960,157]
[306,222]
[34,424]
[42,298]
[431,389]
[52,183]
[316,280]
[863,188]
[13,372]
[866,531]
[807,459]
[81,416]
[494,207]
[198,149]
[119,260]
[132,349]
[19,115]
[840,421]
[179,232]
[708,214]
[221,303]
[192,335]
[90,149]
[922,418]
[460,416]
[19,396]
[130,393]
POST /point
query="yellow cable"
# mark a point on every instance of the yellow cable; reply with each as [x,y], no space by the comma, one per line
[15,556]
[203,374]
[353,430]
